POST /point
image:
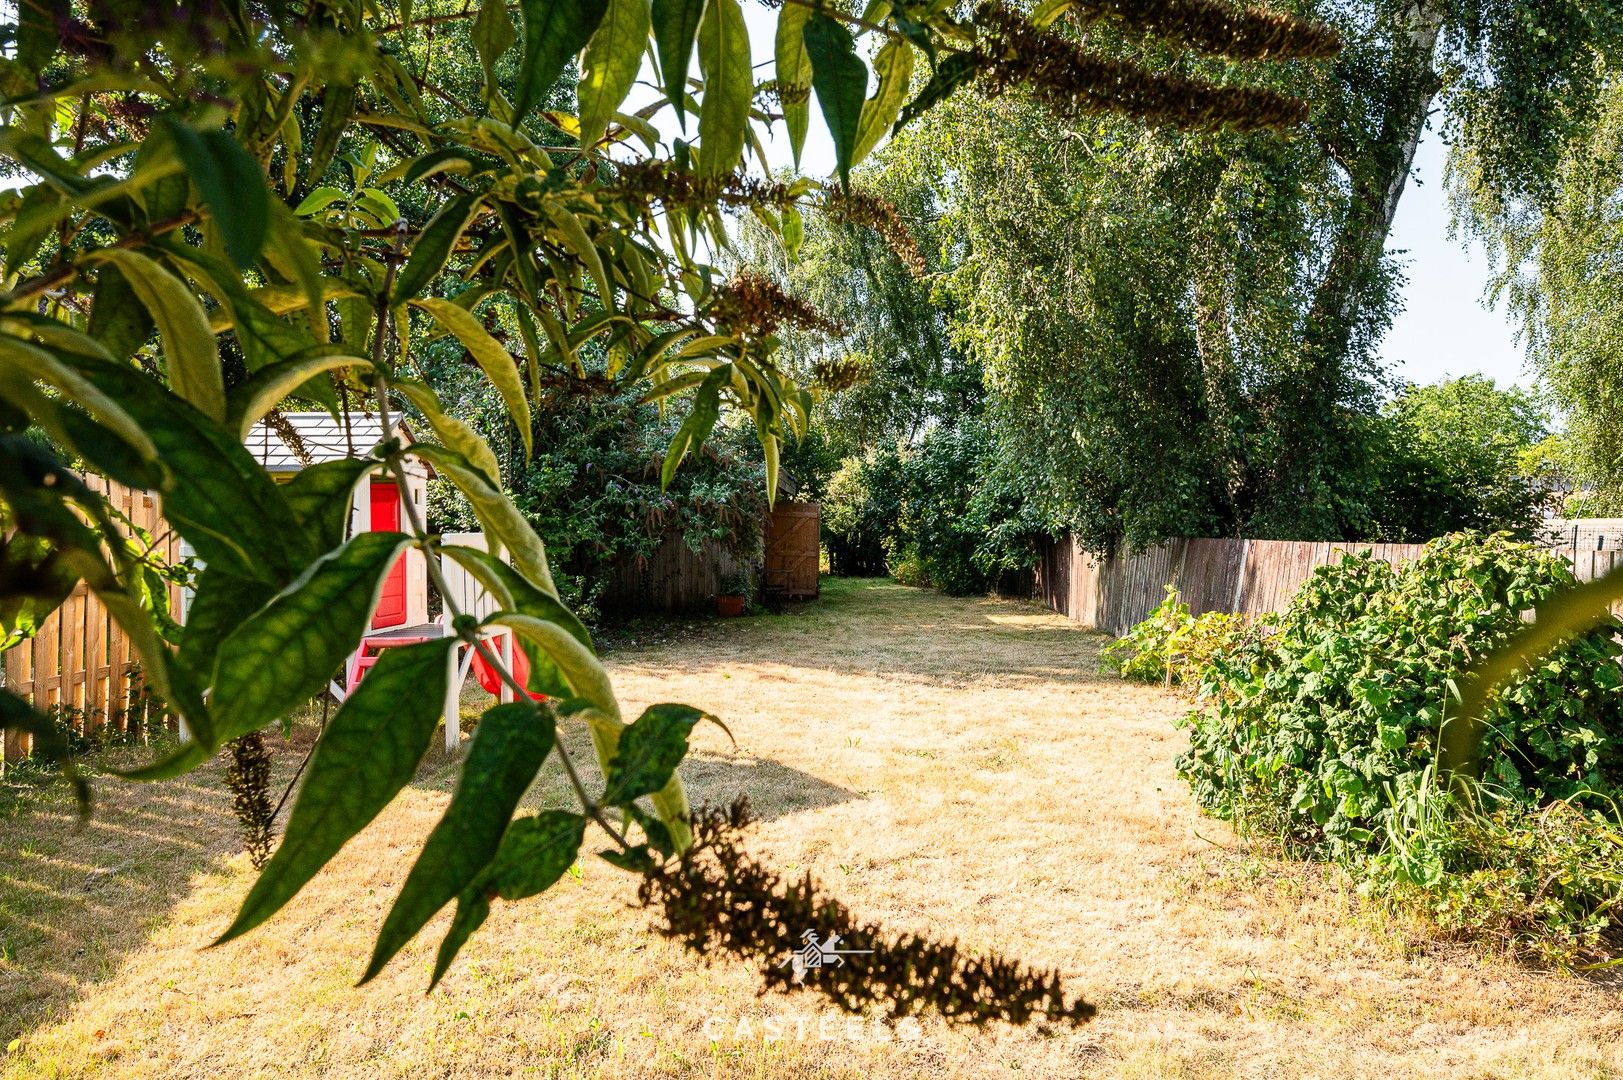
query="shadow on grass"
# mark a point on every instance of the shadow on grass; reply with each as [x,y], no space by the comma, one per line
[75,898]
[775,790]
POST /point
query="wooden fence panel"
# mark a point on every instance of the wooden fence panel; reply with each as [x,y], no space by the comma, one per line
[1250,577]
[673,578]
[80,662]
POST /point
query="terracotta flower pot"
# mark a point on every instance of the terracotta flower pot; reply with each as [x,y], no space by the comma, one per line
[729,607]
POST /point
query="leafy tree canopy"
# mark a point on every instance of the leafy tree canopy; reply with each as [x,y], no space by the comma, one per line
[1180,328]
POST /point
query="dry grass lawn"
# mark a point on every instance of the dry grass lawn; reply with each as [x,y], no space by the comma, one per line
[950,765]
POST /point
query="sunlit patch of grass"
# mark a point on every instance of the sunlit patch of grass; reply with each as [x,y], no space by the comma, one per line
[958,767]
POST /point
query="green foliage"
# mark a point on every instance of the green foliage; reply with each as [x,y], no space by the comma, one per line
[1325,732]
[1179,329]
[650,750]
[1172,647]
[1455,455]
[859,509]
[945,513]
[1335,715]
[592,489]
[1538,882]
[510,744]
[1547,249]
[368,752]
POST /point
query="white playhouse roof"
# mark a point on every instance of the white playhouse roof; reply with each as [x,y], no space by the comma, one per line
[323,437]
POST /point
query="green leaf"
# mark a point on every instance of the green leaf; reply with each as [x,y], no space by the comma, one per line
[676,23]
[794,230]
[949,75]
[321,497]
[534,853]
[514,593]
[841,80]
[231,185]
[433,247]
[497,363]
[794,74]
[118,319]
[610,65]
[696,428]
[554,31]
[191,354]
[319,199]
[493,35]
[454,433]
[222,501]
[265,337]
[222,601]
[583,673]
[260,392]
[39,364]
[508,748]
[637,858]
[650,750]
[580,245]
[729,86]
[42,207]
[894,66]
[370,750]
[337,107]
[502,522]
[290,650]
[297,259]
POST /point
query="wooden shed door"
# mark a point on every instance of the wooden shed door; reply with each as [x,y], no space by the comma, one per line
[792,536]
[391,610]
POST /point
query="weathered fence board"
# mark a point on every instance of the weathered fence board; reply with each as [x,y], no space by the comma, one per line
[80,663]
[673,578]
[1251,577]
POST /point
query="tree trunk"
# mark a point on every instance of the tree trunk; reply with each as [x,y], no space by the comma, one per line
[1376,159]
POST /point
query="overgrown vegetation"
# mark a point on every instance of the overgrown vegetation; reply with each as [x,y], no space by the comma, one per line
[1172,647]
[592,488]
[947,512]
[1321,729]
[221,207]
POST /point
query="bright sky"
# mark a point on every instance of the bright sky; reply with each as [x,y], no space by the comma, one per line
[1444,330]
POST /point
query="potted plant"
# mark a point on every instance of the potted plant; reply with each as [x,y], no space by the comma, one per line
[735,588]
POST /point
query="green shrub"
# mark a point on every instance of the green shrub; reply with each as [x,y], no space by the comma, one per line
[1540,882]
[944,512]
[1173,647]
[1323,733]
[859,508]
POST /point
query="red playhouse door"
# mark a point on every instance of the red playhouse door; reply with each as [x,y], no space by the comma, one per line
[391,609]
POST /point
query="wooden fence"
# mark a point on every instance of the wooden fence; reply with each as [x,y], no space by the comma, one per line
[80,665]
[673,578]
[1251,577]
